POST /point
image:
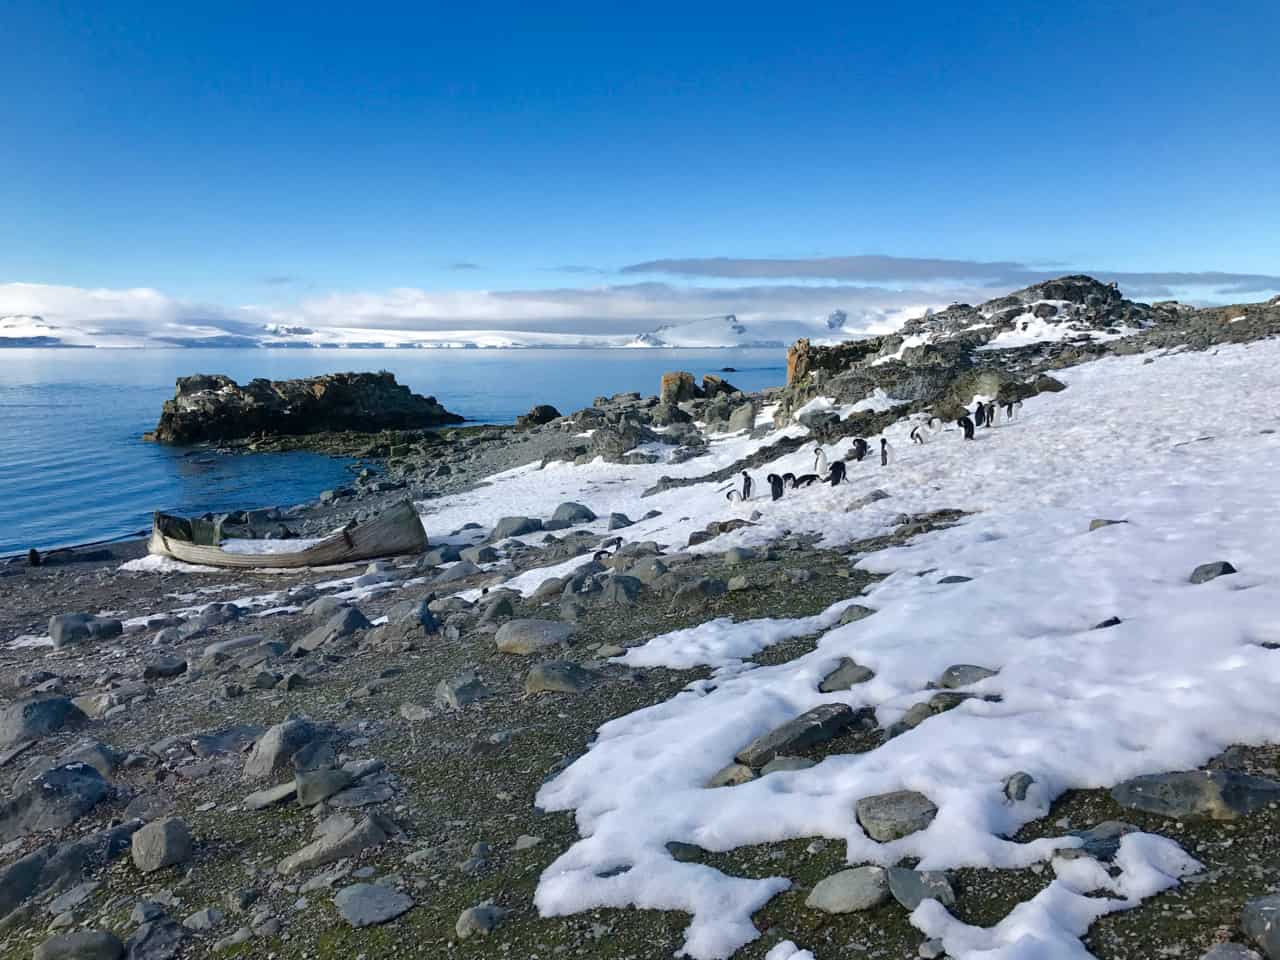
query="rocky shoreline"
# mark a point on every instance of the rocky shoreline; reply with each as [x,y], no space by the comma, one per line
[343,763]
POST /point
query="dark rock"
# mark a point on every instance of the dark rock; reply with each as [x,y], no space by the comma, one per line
[464,689]
[514,527]
[163,666]
[1211,571]
[81,945]
[912,887]
[1101,842]
[275,749]
[445,553]
[368,904]
[962,675]
[462,570]
[538,415]
[1109,622]
[59,866]
[315,786]
[619,521]
[479,554]
[33,719]
[71,628]
[1260,921]
[572,514]
[822,723]
[557,676]
[845,675]
[482,919]
[158,940]
[1017,785]
[216,408]
[955,578]
[342,624]
[1047,384]
[532,636]
[53,800]
[1197,794]
[677,387]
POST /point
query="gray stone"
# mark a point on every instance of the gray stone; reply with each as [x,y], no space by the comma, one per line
[413,613]
[1099,523]
[570,514]
[482,919]
[161,844]
[343,839]
[738,555]
[163,666]
[1017,785]
[55,799]
[888,816]
[955,578]
[822,723]
[33,719]
[315,786]
[963,674]
[849,891]
[271,796]
[204,919]
[732,775]
[557,676]
[619,521]
[479,554]
[461,691]
[1101,842]
[1197,794]
[783,764]
[241,936]
[1230,951]
[622,590]
[692,592]
[855,613]
[685,852]
[844,676]
[514,527]
[363,795]
[742,418]
[68,629]
[144,911]
[72,898]
[81,945]
[1211,571]
[275,749]
[158,940]
[912,887]
[1260,921]
[342,624]
[445,553]
[321,610]
[738,583]
[367,904]
[532,636]
[462,570]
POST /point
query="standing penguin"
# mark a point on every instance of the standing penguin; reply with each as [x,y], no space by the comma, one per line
[886,452]
[1011,408]
[837,473]
[859,449]
[746,485]
[980,415]
[775,486]
[993,413]
[918,434]
[965,424]
[935,425]
[820,465]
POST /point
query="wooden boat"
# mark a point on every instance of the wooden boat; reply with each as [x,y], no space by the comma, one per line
[397,530]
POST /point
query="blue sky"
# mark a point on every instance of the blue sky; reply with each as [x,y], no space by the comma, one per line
[271,154]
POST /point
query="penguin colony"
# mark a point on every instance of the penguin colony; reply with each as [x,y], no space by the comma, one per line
[985,414]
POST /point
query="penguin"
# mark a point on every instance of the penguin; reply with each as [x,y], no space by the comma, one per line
[775,486]
[1011,408]
[886,452]
[837,473]
[980,415]
[991,413]
[965,424]
[859,449]
[805,479]
[918,434]
[935,424]
[789,480]
[746,485]
[820,464]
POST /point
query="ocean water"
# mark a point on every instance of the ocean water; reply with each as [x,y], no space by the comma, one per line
[74,467]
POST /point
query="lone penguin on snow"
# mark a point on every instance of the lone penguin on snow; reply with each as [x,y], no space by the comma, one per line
[980,415]
[859,449]
[734,496]
[965,424]
[886,452]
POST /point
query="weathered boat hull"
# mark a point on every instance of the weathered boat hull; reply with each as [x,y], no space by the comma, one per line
[395,531]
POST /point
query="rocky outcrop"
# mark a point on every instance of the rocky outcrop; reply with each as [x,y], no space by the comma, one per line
[216,408]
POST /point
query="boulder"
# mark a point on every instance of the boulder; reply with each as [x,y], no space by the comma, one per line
[55,799]
[743,417]
[161,939]
[962,675]
[462,570]
[341,840]
[822,723]
[1211,571]
[846,675]
[731,776]
[526,637]
[342,624]
[538,415]
[58,866]
[81,945]
[1047,384]
[784,764]
[275,749]
[482,919]
[557,676]
[572,514]
[461,691]
[32,719]
[316,786]
[216,408]
[68,629]
[888,816]
[480,553]
[849,891]
[619,521]
[912,887]
[1197,794]
[514,527]
[161,844]
[368,904]
[676,387]
[1260,921]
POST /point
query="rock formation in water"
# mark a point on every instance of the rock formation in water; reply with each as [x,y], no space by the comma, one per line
[216,408]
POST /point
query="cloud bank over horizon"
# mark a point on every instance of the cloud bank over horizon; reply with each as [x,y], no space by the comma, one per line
[872,289]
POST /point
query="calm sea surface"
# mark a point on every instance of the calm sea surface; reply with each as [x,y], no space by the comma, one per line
[74,468]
